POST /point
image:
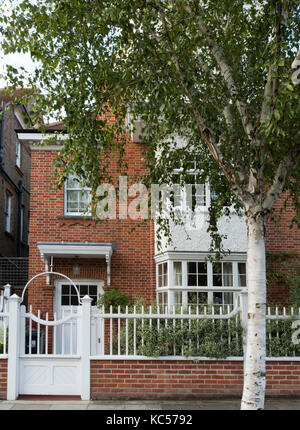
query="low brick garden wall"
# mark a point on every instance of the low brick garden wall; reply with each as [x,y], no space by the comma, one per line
[3,378]
[146,379]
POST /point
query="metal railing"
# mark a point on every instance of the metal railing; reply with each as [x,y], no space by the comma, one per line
[13,271]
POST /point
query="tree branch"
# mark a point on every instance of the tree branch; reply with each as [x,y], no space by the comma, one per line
[278,182]
[272,84]
[225,70]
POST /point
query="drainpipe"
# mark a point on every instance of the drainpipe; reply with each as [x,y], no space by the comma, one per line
[2,133]
[20,221]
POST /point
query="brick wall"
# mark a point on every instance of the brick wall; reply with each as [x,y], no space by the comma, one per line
[147,379]
[132,263]
[281,239]
[183,379]
[3,378]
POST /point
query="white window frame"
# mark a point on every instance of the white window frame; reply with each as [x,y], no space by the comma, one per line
[58,283]
[162,276]
[185,288]
[7,211]
[79,188]
[183,206]
[18,153]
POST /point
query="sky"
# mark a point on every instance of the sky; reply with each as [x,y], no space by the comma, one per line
[16,59]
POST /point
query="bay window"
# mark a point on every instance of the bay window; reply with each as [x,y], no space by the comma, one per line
[192,282]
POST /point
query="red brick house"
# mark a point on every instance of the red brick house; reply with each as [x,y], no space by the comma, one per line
[99,256]
[63,238]
[77,245]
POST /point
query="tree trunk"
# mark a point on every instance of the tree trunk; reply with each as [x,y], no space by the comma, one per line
[255,360]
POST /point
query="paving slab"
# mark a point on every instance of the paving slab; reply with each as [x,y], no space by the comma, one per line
[69,407]
[143,406]
[5,406]
[36,407]
[106,407]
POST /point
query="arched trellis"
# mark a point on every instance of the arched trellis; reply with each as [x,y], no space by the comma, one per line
[51,273]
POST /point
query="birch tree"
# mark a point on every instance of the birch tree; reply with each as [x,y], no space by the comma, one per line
[223,76]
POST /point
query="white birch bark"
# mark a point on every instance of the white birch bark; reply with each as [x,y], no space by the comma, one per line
[255,360]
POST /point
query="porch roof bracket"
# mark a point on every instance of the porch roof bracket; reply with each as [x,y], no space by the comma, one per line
[48,264]
[46,261]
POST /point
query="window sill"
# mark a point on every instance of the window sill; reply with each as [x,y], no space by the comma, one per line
[83,217]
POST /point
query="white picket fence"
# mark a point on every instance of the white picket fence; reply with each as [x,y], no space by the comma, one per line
[29,341]
[124,333]
[276,317]
[116,334]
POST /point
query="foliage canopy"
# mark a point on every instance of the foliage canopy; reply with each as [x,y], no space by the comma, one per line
[216,76]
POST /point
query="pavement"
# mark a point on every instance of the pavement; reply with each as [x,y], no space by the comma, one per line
[126,405]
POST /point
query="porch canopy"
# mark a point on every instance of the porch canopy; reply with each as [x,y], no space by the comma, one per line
[49,250]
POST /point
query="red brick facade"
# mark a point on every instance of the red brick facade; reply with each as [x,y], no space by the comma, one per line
[132,263]
[146,379]
[283,253]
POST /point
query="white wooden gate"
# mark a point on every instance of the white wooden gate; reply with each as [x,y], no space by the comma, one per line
[50,376]
[43,363]
[50,360]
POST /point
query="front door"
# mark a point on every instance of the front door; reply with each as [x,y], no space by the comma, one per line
[65,302]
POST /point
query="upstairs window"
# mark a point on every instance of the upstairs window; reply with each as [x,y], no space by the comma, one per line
[194,194]
[77,197]
[18,154]
[7,211]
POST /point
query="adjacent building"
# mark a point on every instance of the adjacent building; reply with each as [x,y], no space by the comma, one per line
[15,163]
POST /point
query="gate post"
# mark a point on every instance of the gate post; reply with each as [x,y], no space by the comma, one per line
[14,335]
[86,348]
